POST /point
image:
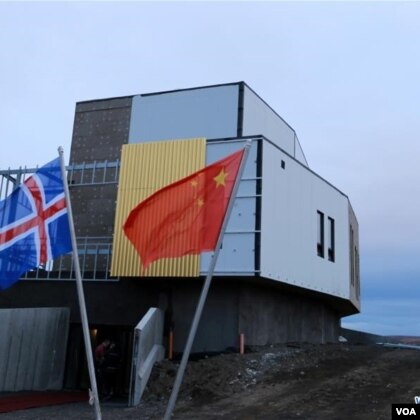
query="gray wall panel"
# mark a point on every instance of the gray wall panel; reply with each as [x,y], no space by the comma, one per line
[218,327]
[102,104]
[270,316]
[100,129]
[237,255]
[207,112]
[299,155]
[259,118]
[33,345]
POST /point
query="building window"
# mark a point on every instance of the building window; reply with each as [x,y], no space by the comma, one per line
[351,256]
[357,272]
[331,239]
[283,164]
[320,240]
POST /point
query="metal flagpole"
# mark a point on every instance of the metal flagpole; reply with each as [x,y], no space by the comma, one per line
[82,304]
[204,291]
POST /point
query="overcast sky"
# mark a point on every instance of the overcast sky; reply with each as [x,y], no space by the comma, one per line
[345,76]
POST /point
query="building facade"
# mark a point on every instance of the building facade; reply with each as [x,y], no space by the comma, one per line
[288,269]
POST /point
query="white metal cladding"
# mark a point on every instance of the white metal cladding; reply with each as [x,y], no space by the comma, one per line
[299,155]
[237,256]
[210,112]
[291,198]
[259,118]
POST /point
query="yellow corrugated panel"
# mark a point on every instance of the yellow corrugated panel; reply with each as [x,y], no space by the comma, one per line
[145,168]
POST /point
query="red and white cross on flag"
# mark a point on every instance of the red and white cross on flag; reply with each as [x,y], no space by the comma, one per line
[34,224]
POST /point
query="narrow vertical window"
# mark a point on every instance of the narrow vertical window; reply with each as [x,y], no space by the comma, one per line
[320,240]
[331,239]
[351,255]
[357,271]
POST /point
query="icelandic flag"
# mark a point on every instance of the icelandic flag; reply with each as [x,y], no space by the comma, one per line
[34,226]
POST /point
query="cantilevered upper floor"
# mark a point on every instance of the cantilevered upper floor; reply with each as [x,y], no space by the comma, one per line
[288,225]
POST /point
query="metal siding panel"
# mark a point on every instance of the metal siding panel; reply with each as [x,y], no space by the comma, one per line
[31,361]
[290,200]
[28,345]
[299,155]
[43,333]
[210,112]
[259,118]
[236,257]
[238,250]
[145,168]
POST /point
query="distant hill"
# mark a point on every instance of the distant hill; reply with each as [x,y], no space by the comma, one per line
[404,339]
[354,336]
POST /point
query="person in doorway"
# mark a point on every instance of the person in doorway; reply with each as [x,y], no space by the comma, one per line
[100,355]
[110,367]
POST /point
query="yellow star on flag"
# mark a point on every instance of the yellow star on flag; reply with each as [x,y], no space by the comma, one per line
[221,177]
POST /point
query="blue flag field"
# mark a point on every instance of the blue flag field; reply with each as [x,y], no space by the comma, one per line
[34,227]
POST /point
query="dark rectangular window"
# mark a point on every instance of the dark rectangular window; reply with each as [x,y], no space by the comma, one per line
[357,272]
[320,234]
[351,256]
[331,239]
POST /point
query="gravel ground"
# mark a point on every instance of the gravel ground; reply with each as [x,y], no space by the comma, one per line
[276,382]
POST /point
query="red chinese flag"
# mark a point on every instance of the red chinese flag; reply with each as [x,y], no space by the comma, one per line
[185,217]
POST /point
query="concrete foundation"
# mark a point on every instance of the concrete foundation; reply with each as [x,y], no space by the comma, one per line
[263,311]
[266,315]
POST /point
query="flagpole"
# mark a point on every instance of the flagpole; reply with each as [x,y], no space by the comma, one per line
[81,296]
[204,291]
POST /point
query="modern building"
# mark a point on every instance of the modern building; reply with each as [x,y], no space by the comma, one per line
[289,265]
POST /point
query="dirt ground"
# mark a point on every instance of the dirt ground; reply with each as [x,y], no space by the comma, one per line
[332,381]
